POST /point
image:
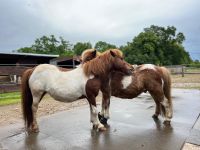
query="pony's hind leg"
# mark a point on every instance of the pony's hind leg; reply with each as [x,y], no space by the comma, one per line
[157,99]
[36,99]
[162,106]
[157,110]
[168,111]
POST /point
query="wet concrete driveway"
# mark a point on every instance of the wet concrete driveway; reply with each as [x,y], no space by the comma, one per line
[131,127]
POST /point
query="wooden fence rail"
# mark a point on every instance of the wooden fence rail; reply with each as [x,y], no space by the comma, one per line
[12,70]
[182,69]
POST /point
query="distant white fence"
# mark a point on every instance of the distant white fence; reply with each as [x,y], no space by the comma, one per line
[184,69]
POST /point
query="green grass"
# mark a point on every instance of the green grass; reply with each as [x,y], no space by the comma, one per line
[10,98]
[192,70]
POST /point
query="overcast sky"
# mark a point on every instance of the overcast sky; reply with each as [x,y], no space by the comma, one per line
[113,21]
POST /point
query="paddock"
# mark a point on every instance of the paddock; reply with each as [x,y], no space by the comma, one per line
[131,127]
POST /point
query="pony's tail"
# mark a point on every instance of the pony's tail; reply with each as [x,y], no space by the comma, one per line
[166,87]
[27,98]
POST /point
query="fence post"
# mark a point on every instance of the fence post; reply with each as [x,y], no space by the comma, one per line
[182,71]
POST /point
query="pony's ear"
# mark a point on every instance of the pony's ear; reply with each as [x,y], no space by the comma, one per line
[94,53]
[112,53]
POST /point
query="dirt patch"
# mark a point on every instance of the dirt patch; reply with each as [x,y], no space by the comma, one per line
[191,81]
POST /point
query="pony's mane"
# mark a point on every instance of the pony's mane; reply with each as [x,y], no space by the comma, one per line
[100,64]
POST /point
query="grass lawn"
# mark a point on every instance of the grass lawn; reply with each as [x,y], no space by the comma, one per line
[10,98]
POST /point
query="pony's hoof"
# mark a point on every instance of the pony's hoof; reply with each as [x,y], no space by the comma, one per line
[102,129]
[155,117]
[167,122]
[33,130]
[95,127]
[102,119]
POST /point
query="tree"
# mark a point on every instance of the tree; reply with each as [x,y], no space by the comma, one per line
[49,45]
[102,46]
[80,47]
[26,50]
[157,45]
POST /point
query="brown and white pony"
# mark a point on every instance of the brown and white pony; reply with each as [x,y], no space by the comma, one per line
[154,79]
[83,82]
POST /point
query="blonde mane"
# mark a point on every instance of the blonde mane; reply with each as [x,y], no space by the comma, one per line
[102,63]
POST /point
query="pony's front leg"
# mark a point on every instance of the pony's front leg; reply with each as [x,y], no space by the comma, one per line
[105,115]
[92,89]
[94,118]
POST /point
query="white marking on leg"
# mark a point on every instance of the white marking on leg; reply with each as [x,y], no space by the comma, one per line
[168,110]
[106,114]
[102,111]
[165,102]
[126,81]
[167,119]
[102,107]
[94,117]
[170,114]
[147,66]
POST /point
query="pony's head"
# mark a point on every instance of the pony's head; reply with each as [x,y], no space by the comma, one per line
[110,60]
[88,55]
[119,64]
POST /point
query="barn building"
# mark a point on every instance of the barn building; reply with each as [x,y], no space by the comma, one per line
[12,65]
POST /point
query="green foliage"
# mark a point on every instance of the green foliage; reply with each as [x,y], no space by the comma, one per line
[26,50]
[80,47]
[157,45]
[195,64]
[49,45]
[102,46]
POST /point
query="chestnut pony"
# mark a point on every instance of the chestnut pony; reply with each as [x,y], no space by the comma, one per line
[83,82]
[156,80]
